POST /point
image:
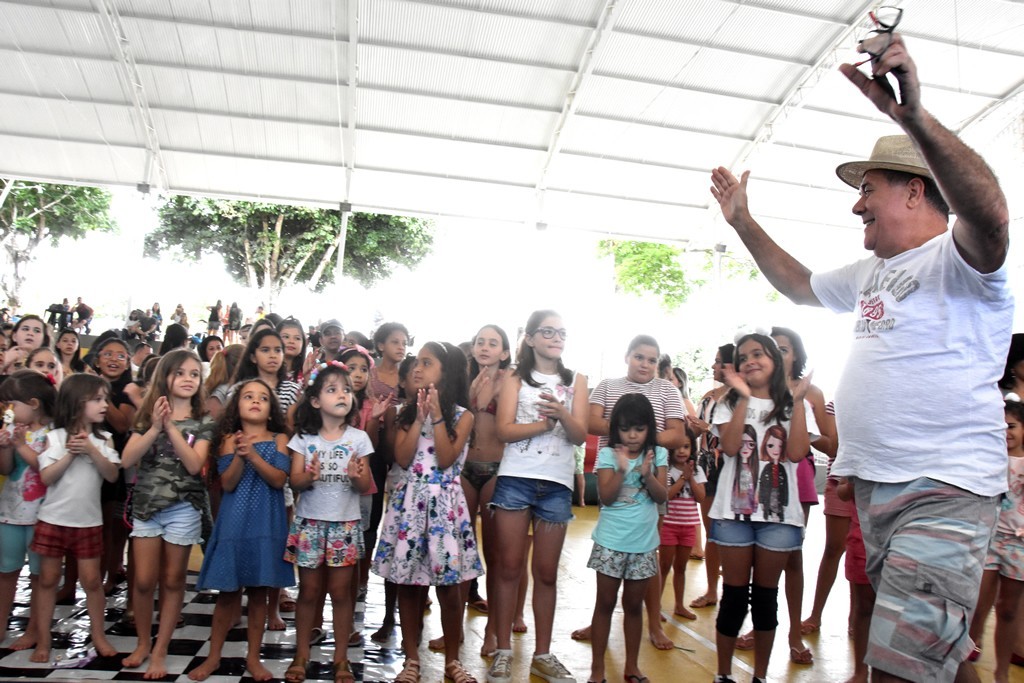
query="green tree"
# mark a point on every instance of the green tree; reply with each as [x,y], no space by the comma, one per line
[667,272]
[31,213]
[270,246]
[649,268]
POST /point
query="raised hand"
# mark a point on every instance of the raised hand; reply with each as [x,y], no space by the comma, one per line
[896,61]
[356,467]
[381,405]
[647,466]
[161,413]
[801,388]
[314,467]
[688,467]
[422,406]
[731,194]
[734,380]
[622,459]
[433,403]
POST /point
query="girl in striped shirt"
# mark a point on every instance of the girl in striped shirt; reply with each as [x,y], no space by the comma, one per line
[679,528]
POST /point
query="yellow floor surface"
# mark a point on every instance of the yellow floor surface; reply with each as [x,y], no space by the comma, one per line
[694,658]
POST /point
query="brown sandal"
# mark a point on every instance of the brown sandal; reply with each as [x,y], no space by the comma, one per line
[343,672]
[410,672]
[455,672]
[296,671]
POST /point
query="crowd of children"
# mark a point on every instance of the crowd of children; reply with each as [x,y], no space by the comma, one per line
[280,457]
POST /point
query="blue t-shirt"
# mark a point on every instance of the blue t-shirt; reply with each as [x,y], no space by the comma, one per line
[630,524]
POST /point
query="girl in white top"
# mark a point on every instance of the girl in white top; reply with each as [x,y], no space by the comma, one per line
[329,467]
[540,422]
[31,399]
[77,459]
[758,521]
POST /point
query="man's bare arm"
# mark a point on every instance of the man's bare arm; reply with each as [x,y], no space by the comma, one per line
[786,274]
[967,183]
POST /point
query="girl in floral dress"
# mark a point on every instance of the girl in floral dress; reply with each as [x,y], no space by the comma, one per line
[427,538]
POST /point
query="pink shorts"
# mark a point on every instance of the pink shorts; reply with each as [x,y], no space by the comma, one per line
[856,558]
[833,505]
[684,535]
[805,471]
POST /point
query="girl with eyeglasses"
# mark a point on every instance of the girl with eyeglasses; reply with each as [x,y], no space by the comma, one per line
[540,420]
[111,362]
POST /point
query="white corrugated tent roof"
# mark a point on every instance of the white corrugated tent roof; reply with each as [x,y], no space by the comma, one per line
[603,115]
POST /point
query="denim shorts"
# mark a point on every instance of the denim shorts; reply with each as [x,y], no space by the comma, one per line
[775,536]
[180,524]
[547,500]
[14,542]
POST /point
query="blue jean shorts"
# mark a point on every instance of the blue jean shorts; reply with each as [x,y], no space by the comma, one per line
[775,536]
[180,524]
[14,542]
[547,500]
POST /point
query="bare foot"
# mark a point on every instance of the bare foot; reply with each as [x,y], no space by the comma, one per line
[581,633]
[26,641]
[255,667]
[40,654]
[490,646]
[436,644]
[275,623]
[157,667]
[519,626]
[660,640]
[663,618]
[382,634]
[204,670]
[138,656]
[103,646]
[684,613]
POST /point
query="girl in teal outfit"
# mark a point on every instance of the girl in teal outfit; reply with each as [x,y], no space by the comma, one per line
[632,473]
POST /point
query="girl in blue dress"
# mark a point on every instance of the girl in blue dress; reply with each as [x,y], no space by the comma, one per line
[246,549]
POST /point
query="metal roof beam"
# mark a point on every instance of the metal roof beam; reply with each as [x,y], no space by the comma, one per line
[129,74]
[793,97]
[590,56]
[349,140]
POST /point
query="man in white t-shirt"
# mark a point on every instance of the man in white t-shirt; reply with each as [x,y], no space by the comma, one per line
[920,422]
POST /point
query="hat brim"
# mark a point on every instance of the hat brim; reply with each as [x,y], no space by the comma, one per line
[852,172]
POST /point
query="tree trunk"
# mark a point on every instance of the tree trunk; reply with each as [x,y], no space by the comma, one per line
[322,266]
[250,269]
[288,279]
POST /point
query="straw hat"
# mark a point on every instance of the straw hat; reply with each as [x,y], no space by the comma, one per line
[891,152]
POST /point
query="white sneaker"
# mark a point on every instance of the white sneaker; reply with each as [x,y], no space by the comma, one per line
[550,669]
[501,667]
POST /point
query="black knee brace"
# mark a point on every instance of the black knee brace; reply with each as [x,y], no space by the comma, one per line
[732,610]
[764,608]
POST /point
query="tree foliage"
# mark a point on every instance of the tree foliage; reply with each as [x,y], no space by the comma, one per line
[271,246]
[649,267]
[31,213]
[671,273]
